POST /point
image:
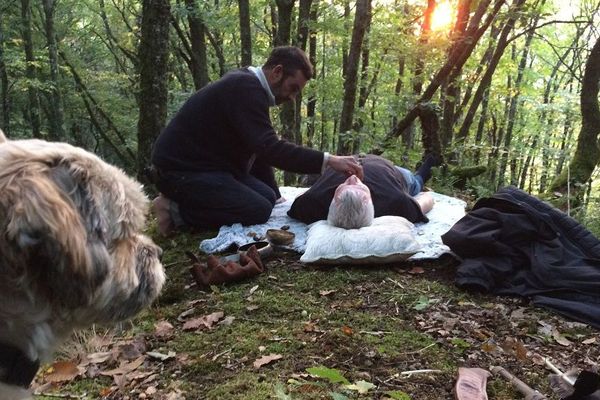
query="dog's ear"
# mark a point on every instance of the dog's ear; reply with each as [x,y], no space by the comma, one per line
[46,225]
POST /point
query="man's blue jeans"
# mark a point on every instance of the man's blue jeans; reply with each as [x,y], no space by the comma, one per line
[414,182]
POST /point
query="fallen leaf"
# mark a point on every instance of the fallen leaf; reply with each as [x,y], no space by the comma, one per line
[150,390]
[589,341]
[361,387]
[227,321]
[125,368]
[206,321]
[96,358]
[560,339]
[63,371]
[331,374]
[163,329]
[326,292]
[416,270]
[346,330]
[182,317]
[264,360]
[161,356]
[253,289]
[520,351]
[133,349]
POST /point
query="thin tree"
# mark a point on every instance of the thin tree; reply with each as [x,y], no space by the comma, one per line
[5,123]
[198,65]
[30,71]
[55,105]
[153,55]
[245,32]
[362,18]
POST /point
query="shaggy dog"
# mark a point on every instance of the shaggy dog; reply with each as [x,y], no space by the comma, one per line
[71,252]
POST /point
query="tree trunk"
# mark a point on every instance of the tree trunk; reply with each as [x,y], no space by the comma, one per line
[154,52]
[362,19]
[287,116]
[311,104]
[301,42]
[33,113]
[512,113]
[452,88]
[198,41]
[55,106]
[5,123]
[587,152]
[423,39]
[284,22]
[245,32]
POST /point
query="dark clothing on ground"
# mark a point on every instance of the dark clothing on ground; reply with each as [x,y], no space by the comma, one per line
[515,244]
[388,187]
[212,152]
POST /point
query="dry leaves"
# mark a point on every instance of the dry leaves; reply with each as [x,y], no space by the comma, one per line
[205,322]
[264,360]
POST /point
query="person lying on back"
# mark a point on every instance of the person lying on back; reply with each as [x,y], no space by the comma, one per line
[386,190]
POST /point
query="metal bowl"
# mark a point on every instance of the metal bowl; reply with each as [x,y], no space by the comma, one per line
[264,248]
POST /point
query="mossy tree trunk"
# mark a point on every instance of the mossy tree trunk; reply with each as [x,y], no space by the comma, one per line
[587,152]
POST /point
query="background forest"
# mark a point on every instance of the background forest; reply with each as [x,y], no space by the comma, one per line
[507,90]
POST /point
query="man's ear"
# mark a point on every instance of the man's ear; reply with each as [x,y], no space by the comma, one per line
[275,74]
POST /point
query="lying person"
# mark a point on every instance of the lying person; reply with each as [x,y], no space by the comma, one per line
[344,202]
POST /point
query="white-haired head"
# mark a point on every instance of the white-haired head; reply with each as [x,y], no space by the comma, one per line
[351,206]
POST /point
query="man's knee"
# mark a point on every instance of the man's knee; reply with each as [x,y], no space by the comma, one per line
[258,214]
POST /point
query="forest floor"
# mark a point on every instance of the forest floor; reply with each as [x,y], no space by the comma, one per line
[308,332]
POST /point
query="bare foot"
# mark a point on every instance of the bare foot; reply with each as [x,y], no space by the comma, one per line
[161,209]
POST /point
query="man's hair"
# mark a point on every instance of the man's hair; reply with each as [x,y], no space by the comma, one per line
[292,59]
[350,211]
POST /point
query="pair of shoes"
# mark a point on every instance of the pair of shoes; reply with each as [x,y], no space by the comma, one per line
[161,207]
[216,271]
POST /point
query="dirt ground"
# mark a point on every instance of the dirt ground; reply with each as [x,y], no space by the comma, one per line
[308,332]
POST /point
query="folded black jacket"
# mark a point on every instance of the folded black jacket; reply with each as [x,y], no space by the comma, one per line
[515,244]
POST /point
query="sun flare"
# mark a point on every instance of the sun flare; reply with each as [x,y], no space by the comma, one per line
[442,17]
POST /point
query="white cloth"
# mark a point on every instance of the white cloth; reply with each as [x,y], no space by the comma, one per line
[445,213]
[388,239]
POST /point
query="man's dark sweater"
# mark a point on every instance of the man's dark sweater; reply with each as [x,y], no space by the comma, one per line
[222,126]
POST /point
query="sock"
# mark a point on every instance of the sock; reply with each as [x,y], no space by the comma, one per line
[424,170]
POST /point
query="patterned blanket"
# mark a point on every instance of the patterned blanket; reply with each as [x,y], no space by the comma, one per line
[445,213]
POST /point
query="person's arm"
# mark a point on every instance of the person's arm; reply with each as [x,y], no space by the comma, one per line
[425,201]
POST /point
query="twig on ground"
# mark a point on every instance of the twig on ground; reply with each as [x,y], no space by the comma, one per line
[61,395]
[408,374]
[420,350]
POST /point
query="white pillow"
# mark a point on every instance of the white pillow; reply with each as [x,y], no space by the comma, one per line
[389,239]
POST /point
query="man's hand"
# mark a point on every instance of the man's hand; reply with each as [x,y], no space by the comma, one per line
[347,165]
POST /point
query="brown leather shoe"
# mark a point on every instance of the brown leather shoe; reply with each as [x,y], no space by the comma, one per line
[214,272]
[161,208]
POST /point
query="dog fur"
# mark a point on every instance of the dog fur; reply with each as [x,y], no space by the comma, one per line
[71,251]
